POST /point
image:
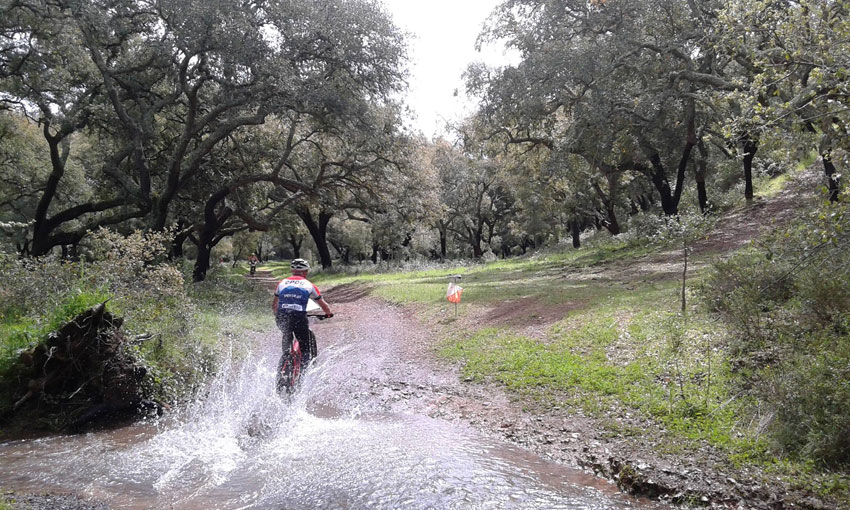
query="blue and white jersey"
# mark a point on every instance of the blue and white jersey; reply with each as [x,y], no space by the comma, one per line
[294,292]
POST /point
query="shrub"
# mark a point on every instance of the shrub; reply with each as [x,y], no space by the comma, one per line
[786,304]
[132,273]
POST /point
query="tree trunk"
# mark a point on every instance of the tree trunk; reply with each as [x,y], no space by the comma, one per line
[690,143]
[344,252]
[296,246]
[575,233]
[202,263]
[611,223]
[443,243]
[833,184]
[475,241]
[658,176]
[608,201]
[750,148]
[41,230]
[206,238]
[179,240]
[319,232]
[701,170]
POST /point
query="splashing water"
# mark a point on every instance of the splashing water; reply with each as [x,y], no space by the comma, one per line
[243,446]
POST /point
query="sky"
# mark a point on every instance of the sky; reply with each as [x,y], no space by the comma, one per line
[441,47]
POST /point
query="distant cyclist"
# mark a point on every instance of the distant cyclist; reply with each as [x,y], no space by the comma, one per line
[290,306]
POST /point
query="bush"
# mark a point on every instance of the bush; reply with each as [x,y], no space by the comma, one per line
[132,273]
[786,304]
[812,402]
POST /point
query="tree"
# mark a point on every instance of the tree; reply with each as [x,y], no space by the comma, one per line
[798,56]
[346,165]
[161,85]
[477,198]
[627,86]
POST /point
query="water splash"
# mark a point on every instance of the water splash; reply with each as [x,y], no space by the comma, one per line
[243,446]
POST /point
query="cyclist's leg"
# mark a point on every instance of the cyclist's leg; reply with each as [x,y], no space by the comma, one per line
[284,322]
[301,329]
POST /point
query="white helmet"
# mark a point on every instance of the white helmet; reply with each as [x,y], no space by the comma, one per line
[299,265]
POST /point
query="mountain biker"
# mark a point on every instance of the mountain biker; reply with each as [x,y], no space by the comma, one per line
[290,307]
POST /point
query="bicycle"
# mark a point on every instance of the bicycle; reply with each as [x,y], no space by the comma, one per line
[294,362]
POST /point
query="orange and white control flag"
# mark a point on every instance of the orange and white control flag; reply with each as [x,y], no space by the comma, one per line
[453,293]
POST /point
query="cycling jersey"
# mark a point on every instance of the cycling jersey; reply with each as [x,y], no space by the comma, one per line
[294,292]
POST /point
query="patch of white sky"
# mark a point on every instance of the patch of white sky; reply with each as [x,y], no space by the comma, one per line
[441,46]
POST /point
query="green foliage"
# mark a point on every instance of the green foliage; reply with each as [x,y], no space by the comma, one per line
[786,303]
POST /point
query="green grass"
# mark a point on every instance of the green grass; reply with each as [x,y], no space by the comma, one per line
[619,353]
[19,331]
[494,281]
[808,476]
[523,277]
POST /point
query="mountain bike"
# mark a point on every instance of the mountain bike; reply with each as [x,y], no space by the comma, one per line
[295,362]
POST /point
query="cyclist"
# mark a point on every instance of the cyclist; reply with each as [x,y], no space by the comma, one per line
[290,308]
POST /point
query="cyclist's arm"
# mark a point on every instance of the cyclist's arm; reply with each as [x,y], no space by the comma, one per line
[322,303]
[274,305]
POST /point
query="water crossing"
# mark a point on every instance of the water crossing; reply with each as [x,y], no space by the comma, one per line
[242,446]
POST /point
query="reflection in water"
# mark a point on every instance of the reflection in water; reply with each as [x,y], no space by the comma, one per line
[243,447]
